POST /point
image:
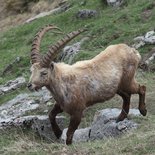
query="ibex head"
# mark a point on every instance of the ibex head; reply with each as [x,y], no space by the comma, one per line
[42,66]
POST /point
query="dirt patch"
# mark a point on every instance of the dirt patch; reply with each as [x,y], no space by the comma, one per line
[10,18]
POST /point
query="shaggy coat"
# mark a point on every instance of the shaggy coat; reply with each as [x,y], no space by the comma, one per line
[77,86]
[97,80]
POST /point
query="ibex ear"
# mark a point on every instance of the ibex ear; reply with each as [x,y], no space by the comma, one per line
[52,65]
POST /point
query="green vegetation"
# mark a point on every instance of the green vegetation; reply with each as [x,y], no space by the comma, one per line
[111,26]
[141,141]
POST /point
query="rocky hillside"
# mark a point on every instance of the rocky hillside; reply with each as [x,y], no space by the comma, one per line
[16,12]
[23,114]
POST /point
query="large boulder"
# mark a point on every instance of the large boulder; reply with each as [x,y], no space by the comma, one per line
[42,126]
[148,38]
[80,135]
[84,14]
[38,123]
[70,51]
[17,107]
[22,104]
[104,126]
[12,85]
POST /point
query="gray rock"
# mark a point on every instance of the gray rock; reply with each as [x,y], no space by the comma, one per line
[11,113]
[17,107]
[149,34]
[101,129]
[115,3]
[104,126]
[138,44]
[12,85]
[148,38]
[42,126]
[23,103]
[83,14]
[39,123]
[125,125]
[139,38]
[80,135]
[111,114]
[69,52]
[42,95]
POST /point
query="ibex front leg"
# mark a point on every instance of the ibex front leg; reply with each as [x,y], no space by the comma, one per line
[74,123]
[52,115]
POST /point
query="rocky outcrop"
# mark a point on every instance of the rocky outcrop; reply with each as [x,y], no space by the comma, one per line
[80,135]
[24,102]
[148,38]
[70,51]
[17,107]
[38,123]
[60,9]
[12,113]
[104,126]
[42,126]
[12,85]
[147,60]
[83,14]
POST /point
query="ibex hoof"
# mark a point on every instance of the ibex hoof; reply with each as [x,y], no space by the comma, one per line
[58,134]
[68,142]
[121,117]
[143,112]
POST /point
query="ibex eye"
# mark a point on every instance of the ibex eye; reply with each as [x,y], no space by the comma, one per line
[43,73]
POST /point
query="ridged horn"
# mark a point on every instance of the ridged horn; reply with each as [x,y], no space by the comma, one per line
[35,50]
[55,49]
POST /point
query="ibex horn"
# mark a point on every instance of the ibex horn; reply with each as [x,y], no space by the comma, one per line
[55,49]
[35,55]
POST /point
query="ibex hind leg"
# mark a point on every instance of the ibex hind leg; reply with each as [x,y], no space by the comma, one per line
[141,90]
[52,116]
[126,105]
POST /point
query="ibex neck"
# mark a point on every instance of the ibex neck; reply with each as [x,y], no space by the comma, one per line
[55,88]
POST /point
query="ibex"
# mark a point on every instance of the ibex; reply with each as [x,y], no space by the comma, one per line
[75,87]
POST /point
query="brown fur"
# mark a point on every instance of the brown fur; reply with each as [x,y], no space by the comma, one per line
[85,83]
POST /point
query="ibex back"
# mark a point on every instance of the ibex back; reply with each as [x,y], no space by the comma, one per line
[75,87]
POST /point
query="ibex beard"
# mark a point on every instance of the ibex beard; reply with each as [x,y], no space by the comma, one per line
[75,87]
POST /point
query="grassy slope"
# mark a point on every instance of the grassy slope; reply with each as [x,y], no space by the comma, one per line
[110,27]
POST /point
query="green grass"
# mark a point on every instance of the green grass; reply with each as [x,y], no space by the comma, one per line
[140,141]
[111,26]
